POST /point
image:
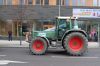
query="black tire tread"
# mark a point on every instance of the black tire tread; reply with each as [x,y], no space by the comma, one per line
[33,52]
[85,46]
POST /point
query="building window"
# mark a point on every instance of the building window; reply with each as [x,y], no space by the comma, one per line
[81,2]
[98,2]
[62,2]
[1,2]
[42,2]
[30,2]
[95,3]
[38,2]
[58,2]
[74,2]
[21,2]
[9,2]
[46,2]
[67,3]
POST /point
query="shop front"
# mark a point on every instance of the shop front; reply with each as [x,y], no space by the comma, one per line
[92,29]
[89,20]
[9,25]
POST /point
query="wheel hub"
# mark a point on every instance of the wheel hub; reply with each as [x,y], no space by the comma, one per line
[38,45]
[75,43]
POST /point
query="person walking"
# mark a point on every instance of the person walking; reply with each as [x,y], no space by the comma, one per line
[27,35]
[10,35]
[92,34]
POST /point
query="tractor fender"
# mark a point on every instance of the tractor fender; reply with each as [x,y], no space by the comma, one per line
[46,40]
[73,30]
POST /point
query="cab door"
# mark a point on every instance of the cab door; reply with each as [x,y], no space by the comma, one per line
[62,27]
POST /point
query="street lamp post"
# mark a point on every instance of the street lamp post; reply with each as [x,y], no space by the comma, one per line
[59,7]
[21,34]
[21,24]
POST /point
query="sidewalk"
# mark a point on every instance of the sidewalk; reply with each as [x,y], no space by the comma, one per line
[16,43]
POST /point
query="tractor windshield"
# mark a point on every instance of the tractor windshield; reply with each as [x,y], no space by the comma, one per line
[64,24]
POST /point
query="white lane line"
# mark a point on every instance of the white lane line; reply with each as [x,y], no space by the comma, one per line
[3,55]
[75,57]
[5,62]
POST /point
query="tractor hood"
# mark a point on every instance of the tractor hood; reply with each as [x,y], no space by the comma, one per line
[47,33]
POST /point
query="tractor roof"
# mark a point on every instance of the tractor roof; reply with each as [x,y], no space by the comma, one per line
[63,17]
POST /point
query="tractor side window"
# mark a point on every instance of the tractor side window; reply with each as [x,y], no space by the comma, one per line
[62,24]
[62,27]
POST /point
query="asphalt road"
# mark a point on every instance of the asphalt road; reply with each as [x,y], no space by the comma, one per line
[54,57]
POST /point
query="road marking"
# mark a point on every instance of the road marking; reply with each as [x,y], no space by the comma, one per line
[75,57]
[5,62]
[3,55]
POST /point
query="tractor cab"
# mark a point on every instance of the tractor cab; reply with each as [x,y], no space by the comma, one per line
[64,24]
[61,25]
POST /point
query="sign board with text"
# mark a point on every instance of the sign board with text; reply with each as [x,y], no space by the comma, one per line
[87,13]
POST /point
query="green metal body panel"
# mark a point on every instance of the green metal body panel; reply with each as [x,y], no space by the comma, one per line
[47,34]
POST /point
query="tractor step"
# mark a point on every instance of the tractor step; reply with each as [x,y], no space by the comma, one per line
[56,44]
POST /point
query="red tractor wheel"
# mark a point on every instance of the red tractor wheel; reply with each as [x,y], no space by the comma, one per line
[75,44]
[38,46]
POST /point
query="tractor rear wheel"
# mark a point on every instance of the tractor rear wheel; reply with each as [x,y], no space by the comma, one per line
[75,44]
[38,46]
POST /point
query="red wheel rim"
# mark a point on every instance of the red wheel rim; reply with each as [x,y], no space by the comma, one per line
[38,45]
[76,43]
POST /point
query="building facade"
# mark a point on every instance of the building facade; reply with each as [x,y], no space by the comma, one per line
[52,2]
[29,12]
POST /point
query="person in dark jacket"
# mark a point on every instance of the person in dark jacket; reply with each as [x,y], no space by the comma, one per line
[10,35]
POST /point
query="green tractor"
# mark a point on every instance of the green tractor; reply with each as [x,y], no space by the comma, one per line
[66,32]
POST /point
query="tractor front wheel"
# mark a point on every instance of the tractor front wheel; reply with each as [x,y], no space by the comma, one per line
[38,46]
[75,44]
